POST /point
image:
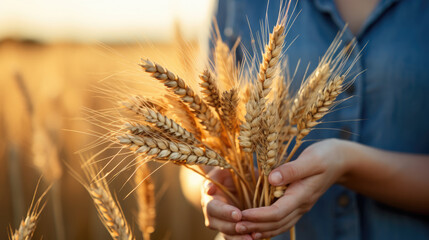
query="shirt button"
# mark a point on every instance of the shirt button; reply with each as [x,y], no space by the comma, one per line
[228,32]
[343,201]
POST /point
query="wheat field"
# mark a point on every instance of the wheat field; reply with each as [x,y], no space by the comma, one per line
[63,81]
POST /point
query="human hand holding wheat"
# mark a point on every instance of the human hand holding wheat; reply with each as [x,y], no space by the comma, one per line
[219,212]
[308,177]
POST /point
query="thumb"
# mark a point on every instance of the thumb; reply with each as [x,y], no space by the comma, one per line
[293,171]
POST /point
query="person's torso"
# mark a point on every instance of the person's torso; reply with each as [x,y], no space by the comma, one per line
[386,106]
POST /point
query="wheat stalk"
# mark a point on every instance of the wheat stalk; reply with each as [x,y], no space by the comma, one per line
[145,201]
[45,156]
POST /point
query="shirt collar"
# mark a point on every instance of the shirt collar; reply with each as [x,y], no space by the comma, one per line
[328,6]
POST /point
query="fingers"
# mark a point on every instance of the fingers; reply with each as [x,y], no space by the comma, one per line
[276,212]
[238,237]
[270,221]
[276,232]
[219,215]
[293,171]
[252,227]
[221,225]
[221,210]
[223,217]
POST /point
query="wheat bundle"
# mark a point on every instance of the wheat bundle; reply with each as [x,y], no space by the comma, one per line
[237,121]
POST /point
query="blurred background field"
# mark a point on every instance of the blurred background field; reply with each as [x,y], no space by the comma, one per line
[64,59]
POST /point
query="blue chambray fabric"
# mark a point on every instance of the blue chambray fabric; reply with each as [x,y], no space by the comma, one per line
[388,103]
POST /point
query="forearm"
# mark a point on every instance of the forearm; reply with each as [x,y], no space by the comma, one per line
[397,179]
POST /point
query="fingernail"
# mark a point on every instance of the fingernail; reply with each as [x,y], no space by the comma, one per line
[247,237]
[276,178]
[258,235]
[235,215]
[242,228]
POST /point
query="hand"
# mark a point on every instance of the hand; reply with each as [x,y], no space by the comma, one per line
[219,212]
[309,176]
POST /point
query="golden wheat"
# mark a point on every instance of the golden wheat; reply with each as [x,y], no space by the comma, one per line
[272,118]
[28,224]
[180,88]
[164,150]
[210,90]
[108,208]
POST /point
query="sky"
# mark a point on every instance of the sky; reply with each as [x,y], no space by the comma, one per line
[107,20]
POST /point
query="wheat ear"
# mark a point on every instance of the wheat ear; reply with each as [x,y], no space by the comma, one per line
[271,57]
[170,127]
[210,89]
[321,107]
[179,87]
[308,92]
[26,228]
[224,62]
[28,224]
[269,146]
[249,129]
[229,103]
[179,112]
[323,103]
[108,209]
[165,150]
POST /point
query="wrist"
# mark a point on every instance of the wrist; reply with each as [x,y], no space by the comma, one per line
[348,154]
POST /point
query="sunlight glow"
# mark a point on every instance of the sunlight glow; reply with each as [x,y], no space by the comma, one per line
[108,21]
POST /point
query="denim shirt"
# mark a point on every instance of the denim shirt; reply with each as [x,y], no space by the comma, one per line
[388,105]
